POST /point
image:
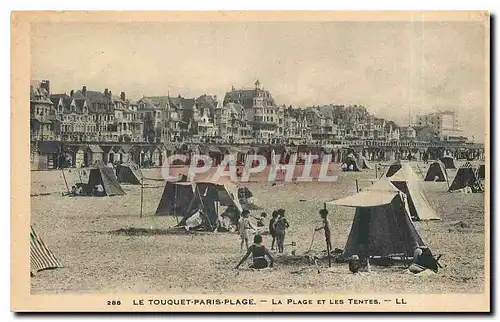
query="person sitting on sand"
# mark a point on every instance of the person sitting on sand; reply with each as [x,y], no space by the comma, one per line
[356,265]
[98,190]
[423,260]
[73,191]
[272,230]
[280,226]
[259,253]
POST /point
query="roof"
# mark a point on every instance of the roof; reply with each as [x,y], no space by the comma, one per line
[244,95]
[93,97]
[38,94]
[149,104]
[48,147]
[95,148]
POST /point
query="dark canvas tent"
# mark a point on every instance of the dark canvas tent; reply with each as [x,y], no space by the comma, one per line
[129,172]
[362,162]
[350,163]
[382,225]
[448,162]
[106,177]
[176,199]
[466,177]
[41,257]
[406,181]
[481,172]
[436,170]
[393,168]
[185,198]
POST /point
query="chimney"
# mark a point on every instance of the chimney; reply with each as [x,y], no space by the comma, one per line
[122,96]
[106,92]
[45,84]
[84,90]
[109,95]
[71,93]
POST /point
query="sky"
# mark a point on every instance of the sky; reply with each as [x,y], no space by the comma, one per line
[396,69]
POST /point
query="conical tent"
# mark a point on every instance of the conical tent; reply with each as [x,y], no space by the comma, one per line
[41,257]
[466,177]
[350,160]
[448,162]
[106,177]
[381,225]
[481,172]
[129,172]
[393,168]
[436,172]
[406,181]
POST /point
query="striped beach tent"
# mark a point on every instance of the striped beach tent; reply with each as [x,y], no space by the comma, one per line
[41,257]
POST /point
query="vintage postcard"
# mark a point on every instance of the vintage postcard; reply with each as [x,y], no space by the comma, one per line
[250,161]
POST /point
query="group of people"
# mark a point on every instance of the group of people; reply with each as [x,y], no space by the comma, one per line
[277,229]
[78,190]
[262,257]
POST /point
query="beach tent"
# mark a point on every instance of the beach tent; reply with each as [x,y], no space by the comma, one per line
[436,169]
[362,162]
[481,172]
[449,162]
[393,168]
[350,163]
[106,177]
[381,225]
[41,257]
[466,177]
[177,199]
[185,198]
[129,172]
[407,181]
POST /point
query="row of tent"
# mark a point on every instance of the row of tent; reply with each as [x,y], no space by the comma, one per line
[383,223]
[353,163]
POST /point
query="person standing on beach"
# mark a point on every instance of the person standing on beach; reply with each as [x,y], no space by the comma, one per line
[244,227]
[280,226]
[326,226]
[272,231]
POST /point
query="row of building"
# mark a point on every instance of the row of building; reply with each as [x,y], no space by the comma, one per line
[245,116]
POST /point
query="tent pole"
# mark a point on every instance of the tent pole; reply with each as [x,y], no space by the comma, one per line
[65,182]
[446,175]
[175,205]
[328,250]
[142,194]
[421,173]
[357,186]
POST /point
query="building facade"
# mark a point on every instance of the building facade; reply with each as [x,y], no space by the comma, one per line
[445,124]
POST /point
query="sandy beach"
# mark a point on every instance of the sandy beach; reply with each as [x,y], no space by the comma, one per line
[77,230]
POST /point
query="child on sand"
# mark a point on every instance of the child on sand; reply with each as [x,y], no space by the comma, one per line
[244,227]
[272,231]
[259,253]
[280,226]
[327,227]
